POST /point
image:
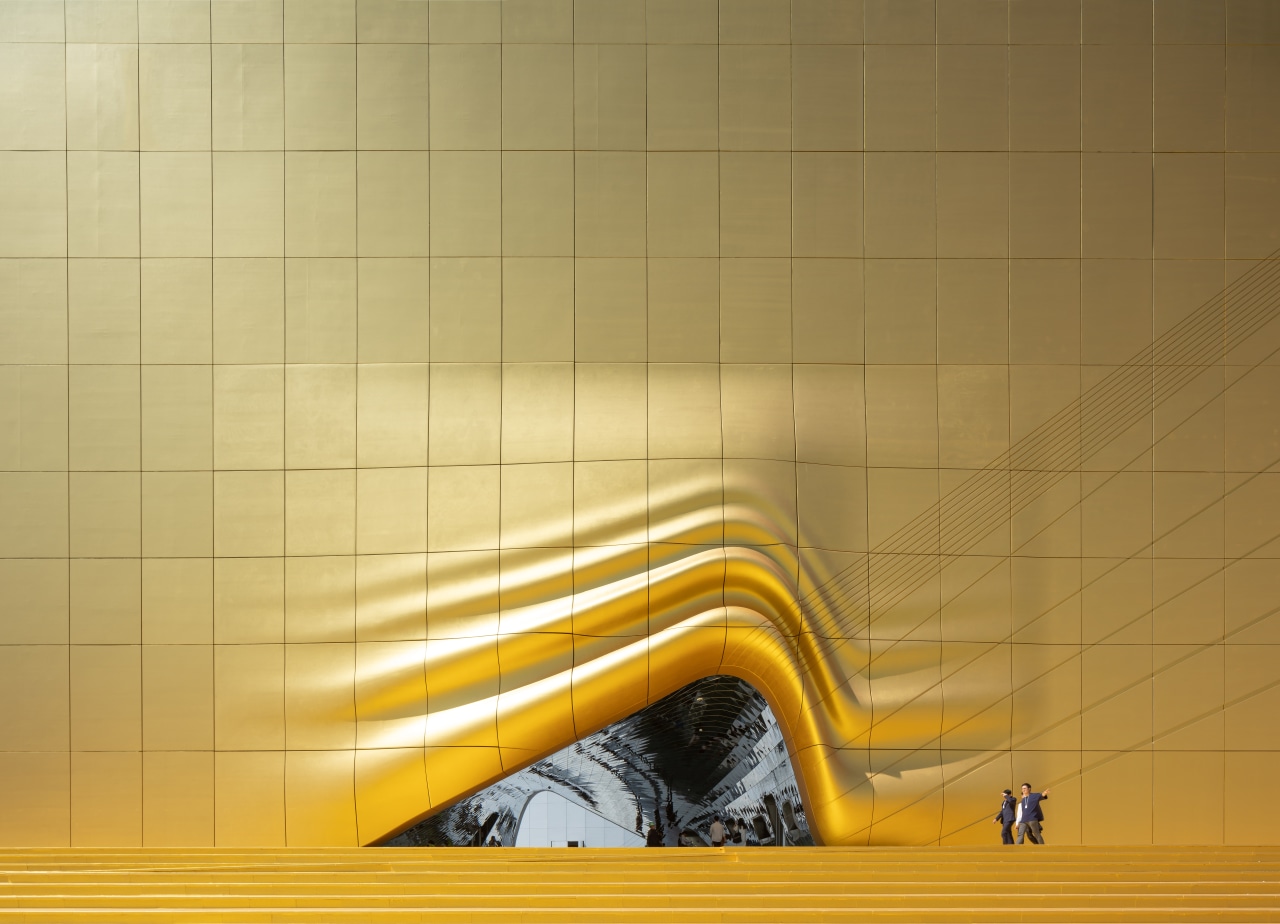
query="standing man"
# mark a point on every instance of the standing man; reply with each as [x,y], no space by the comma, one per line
[1005,815]
[1030,814]
[717,832]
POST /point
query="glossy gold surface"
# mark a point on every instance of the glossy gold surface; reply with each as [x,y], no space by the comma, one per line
[393,392]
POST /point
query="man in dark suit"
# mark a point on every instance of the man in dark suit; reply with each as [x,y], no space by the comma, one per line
[1030,815]
[1005,816]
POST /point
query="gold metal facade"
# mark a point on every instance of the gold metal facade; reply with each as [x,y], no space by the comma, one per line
[392,392]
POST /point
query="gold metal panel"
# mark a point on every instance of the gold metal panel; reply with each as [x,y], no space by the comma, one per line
[29,182]
[609,310]
[102,97]
[106,697]
[105,601]
[393,204]
[466,310]
[466,413]
[102,204]
[392,97]
[392,414]
[34,715]
[755,311]
[684,205]
[973,204]
[899,96]
[248,310]
[248,688]
[176,203]
[610,204]
[537,203]
[386,780]
[609,21]
[320,512]
[899,220]
[320,204]
[103,313]
[320,85]
[1185,678]
[318,600]
[683,109]
[755,204]
[393,323]
[1251,111]
[1111,772]
[682,22]
[248,513]
[390,691]
[1200,778]
[537,310]
[900,311]
[466,204]
[248,97]
[247,20]
[177,698]
[610,411]
[537,412]
[466,91]
[177,514]
[1044,312]
[174,93]
[609,101]
[464,22]
[826,88]
[1044,200]
[1190,205]
[320,310]
[249,599]
[318,696]
[1115,97]
[319,798]
[33,406]
[462,508]
[827,198]
[754,401]
[177,798]
[112,21]
[391,515]
[827,311]
[106,799]
[105,514]
[33,304]
[177,311]
[828,430]
[683,310]
[40,818]
[755,92]
[320,418]
[39,590]
[177,601]
[684,411]
[537,96]
[1190,99]
[254,779]
[598,516]
[248,417]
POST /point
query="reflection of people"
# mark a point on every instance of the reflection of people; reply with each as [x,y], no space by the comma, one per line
[717,832]
[654,837]
[1005,816]
[1030,815]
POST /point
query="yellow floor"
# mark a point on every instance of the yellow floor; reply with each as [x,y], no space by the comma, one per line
[380,886]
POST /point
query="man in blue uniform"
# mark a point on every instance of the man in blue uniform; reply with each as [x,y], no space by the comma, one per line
[1030,814]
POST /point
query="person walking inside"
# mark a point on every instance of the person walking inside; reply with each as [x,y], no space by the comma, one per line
[1030,815]
[717,832]
[1005,816]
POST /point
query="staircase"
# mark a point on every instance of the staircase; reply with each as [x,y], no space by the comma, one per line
[385,885]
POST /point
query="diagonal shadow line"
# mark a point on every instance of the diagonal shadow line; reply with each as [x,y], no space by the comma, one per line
[1047,479]
[946,560]
[950,558]
[1259,286]
[1085,586]
[1140,747]
[997,755]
